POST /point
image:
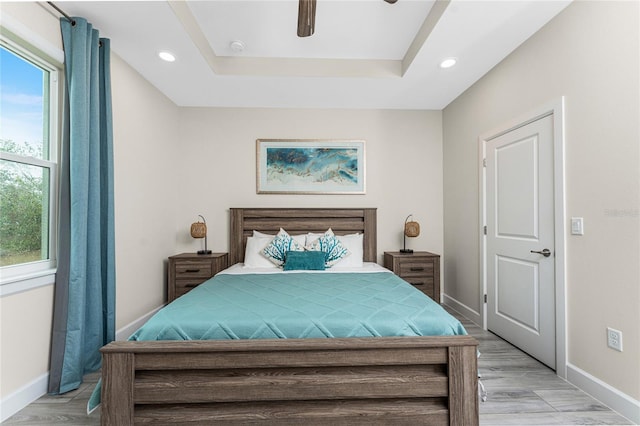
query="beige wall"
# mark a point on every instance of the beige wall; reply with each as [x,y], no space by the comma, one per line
[590,55]
[25,338]
[403,168]
[172,164]
[145,131]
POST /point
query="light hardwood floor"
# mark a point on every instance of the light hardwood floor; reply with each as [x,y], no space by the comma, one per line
[521,391]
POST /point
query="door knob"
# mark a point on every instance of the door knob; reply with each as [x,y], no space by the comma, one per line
[544,252]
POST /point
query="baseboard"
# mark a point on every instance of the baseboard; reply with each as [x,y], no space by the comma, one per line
[24,396]
[607,394]
[129,329]
[463,309]
[33,390]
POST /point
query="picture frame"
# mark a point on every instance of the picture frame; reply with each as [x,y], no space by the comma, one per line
[310,166]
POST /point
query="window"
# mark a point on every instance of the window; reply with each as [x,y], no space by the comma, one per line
[28,160]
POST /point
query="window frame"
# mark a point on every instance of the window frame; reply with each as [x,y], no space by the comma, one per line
[24,276]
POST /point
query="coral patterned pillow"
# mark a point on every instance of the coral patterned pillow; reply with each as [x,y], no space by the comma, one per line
[282,243]
[331,246]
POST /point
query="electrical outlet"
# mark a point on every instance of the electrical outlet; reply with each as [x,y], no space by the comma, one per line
[614,339]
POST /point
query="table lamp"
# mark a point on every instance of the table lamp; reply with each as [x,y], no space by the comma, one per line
[199,230]
[411,229]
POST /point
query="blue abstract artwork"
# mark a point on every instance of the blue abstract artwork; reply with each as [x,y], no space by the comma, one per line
[311,166]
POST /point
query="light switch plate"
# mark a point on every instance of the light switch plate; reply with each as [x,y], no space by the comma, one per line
[577,226]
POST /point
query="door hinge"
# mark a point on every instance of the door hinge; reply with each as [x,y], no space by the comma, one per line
[484,162]
[484,229]
[485,298]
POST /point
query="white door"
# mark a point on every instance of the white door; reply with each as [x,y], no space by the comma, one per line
[520,239]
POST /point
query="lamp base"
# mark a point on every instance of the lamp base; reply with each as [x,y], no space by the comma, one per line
[204,251]
[406,251]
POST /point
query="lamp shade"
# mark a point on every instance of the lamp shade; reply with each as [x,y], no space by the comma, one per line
[411,229]
[198,230]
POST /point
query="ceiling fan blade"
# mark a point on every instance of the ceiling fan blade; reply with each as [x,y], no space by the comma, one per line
[306,17]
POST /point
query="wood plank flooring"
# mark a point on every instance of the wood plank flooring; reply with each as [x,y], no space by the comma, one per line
[521,391]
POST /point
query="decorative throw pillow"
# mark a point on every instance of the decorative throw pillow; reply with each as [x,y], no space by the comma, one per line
[304,261]
[352,242]
[279,246]
[331,246]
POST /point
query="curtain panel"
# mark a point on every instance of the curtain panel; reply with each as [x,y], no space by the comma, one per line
[84,302]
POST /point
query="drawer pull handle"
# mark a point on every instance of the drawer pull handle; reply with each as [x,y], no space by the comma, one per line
[192,270]
[417,269]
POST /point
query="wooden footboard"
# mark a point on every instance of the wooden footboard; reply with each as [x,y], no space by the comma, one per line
[399,380]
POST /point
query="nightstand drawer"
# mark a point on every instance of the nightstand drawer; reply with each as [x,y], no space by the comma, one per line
[420,269]
[193,269]
[415,268]
[183,286]
[423,284]
[187,271]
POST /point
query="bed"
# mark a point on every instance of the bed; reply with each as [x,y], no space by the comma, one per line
[317,380]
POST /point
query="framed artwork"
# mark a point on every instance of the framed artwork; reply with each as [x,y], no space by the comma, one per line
[310,166]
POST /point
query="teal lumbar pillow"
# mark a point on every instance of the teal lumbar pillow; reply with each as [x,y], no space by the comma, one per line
[304,261]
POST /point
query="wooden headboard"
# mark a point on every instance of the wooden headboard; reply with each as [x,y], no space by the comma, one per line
[299,221]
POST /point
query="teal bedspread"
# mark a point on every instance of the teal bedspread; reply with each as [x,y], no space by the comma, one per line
[298,305]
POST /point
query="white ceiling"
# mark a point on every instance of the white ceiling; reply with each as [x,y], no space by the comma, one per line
[364,53]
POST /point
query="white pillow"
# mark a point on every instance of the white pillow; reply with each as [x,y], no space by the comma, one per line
[300,239]
[262,234]
[353,243]
[311,237]
[253,257]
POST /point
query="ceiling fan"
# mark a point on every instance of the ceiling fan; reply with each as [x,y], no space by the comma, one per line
[307,16]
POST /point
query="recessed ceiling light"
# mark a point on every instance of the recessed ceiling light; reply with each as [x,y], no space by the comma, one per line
[166,56]
[237,46]
[448,62]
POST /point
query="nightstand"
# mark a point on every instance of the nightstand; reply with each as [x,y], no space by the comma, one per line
[420,268]
[188,270]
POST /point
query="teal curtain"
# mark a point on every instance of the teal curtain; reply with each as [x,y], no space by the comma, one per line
[84,305]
